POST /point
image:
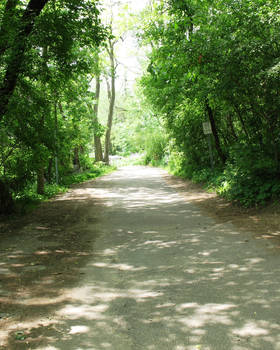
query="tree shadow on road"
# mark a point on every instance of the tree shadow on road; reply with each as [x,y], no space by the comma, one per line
[147,271]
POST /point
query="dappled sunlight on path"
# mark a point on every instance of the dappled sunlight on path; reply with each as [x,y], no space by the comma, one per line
[148,271]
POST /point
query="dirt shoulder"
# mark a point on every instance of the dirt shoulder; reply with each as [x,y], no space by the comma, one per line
[263,222]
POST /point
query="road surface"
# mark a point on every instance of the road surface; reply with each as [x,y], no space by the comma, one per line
[128,263]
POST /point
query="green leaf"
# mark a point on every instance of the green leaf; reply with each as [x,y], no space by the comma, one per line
[20,335]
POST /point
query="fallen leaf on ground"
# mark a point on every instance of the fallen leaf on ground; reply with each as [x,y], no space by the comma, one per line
[20,335]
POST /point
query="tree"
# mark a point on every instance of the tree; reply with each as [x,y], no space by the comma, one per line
[108,70]
[97,134]
[111,89]
[218,60]
[98,129]
[19,47]
[40,55]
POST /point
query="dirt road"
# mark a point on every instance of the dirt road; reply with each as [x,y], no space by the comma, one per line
[127,262]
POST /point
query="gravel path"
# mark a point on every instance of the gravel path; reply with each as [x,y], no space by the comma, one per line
[143,268]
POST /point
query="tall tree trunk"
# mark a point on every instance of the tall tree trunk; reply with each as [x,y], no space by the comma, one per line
[112,97]
[272,133]
[231,126]
[97,141]
[19,47]
[40,181]
[239,114]
[6,200]
[76,160]
[56,144]
[49,170]
[215,133]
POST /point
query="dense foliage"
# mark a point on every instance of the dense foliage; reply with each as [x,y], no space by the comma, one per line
[47,57]
[218,61]
[208,61]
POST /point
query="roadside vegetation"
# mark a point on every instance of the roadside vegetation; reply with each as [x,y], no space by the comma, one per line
[29,198]
[67,105]
[217,62]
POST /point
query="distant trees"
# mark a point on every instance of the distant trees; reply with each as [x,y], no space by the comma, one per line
[107,72]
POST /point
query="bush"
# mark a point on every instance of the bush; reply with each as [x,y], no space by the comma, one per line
[29,198]
[98,169]
[250,177]
[176,163]
[155,147]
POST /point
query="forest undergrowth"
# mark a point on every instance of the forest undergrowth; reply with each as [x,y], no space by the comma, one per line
[28,199]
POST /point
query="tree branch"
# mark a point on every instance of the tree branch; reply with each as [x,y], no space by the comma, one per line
[19,47]
[6,24]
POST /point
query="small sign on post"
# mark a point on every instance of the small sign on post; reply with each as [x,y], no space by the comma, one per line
[207,128]
[208,131]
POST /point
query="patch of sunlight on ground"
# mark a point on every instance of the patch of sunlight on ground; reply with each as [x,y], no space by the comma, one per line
[205,314]
[252,328]
[122,267]
[79,329]
[85,311]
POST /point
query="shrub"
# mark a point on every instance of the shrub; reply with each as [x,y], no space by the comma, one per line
[155,147]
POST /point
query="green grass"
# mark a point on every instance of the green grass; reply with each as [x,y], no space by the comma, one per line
[93,173]
[28,199]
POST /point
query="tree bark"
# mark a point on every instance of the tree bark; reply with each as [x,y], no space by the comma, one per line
[40,181]
[6,200]
[231,127]
[97,141]
[76,160]
[238,112]
[49,171]
[112,97]
[215,133]
[19,47]
[56,144]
